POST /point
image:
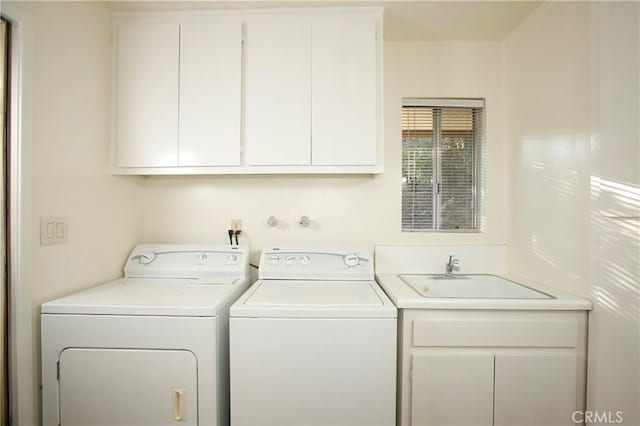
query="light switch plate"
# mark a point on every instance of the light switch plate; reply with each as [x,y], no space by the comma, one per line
[53,230]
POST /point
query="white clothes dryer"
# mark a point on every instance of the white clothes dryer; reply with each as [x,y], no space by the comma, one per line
[148,349]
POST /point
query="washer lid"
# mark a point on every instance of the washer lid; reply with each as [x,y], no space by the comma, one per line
[148,296]
[314,299]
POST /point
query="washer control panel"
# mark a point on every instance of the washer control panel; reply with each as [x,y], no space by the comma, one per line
[316,263]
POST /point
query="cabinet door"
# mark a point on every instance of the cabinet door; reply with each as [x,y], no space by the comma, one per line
[344,90]
[210,93]
[277,128]
[122,387]
[535,389]
[147,94]
[453,388]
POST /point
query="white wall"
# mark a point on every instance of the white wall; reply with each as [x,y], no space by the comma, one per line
[574,196]
[614,338]
[67,74]
[359,210]
[548,132]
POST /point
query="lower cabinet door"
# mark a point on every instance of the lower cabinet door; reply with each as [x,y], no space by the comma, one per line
[453,388]
[536,389]
[119,387]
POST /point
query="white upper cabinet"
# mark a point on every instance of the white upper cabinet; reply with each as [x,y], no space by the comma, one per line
[293,91]
[344,90]
[278,91]
[147,64]
[210,93]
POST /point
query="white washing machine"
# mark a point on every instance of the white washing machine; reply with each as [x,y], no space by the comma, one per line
[148,349]
[313,342]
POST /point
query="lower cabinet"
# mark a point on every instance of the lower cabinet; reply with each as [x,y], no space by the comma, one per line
[514,368]
[535,389]
[452,389]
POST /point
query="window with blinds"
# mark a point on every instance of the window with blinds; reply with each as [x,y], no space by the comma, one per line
[442,164]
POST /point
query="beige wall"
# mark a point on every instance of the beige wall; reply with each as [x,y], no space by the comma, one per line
[614,338]
[548,132]
[360,210]
[70,151]
[574,195]
[67,121]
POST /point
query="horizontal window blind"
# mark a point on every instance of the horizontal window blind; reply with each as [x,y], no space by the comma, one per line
[442,150]
[418,168]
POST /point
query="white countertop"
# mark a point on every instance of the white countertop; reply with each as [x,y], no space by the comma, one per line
[405,297]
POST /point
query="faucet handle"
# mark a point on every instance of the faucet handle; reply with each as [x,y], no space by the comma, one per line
[454,264]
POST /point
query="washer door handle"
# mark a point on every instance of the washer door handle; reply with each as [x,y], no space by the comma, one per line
[179,403]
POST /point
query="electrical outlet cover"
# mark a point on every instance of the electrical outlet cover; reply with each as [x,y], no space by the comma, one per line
[236,224]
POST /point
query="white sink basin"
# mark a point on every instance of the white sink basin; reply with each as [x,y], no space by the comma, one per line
[470,287]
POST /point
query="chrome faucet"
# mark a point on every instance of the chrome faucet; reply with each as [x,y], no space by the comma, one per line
[453,265]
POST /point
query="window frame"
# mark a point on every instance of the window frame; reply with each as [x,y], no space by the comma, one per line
[478,105]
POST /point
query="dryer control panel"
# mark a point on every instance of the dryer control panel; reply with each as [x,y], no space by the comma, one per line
[187,261]
[321,263]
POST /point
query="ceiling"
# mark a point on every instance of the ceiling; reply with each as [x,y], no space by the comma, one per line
[404,20]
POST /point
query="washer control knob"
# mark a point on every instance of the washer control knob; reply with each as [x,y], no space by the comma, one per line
[304,221]
[304,259]
[290,259]
[232,258]
[273,259]
[351,259]
[202,259]
[147,258]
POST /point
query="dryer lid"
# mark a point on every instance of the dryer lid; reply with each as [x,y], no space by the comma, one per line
[148,297]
